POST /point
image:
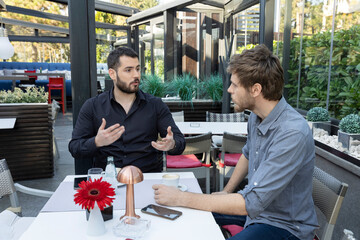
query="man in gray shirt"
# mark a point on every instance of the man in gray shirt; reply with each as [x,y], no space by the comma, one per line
[278,159]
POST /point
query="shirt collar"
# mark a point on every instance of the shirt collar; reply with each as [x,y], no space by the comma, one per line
[139,95]
[264,126]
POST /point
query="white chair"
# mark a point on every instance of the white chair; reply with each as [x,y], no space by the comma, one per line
[10,222]
[224,117]
[187,161]
[231,151]
[178,116]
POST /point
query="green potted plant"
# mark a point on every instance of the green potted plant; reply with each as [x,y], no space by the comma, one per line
[319,118]
[349,130]
[213,87]
[184,86]
[153,85]
[28,146]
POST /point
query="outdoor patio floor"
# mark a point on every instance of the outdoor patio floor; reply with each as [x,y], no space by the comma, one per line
[349,214]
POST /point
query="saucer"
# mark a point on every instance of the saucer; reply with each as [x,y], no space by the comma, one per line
[182,187]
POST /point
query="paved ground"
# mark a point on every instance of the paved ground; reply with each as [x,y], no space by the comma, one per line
[348,218]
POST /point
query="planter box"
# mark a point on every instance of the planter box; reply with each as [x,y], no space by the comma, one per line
[194,111]
[28,147]
[347,138]
[320,125]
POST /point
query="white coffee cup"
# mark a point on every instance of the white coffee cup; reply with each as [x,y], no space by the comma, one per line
[171,179]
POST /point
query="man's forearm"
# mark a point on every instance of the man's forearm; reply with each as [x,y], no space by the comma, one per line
[233,204]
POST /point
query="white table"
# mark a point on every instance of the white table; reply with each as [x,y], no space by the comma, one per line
[193,224]
[217,128]
[7,123]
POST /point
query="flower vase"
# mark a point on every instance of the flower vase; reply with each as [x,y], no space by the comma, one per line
[96,225]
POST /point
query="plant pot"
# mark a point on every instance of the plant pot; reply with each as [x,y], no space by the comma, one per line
[28,147]
[347,139]
[326,126]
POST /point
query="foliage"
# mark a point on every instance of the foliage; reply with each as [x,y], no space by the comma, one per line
[153,85]
[318,114]
[247,47]
[213,86]
[344,92]
[31,95]
[350,124]
[184,86]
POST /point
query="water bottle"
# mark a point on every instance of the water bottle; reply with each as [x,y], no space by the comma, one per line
[110,172]
[348,235]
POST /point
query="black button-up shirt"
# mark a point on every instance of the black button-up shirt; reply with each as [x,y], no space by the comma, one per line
[147,118]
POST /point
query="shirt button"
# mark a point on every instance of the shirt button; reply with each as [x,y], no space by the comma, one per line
[254,169]
[255,183]
[257,152]
[125,156]
[259,133]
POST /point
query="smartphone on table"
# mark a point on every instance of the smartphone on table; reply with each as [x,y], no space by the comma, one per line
[78,180]
[161,212]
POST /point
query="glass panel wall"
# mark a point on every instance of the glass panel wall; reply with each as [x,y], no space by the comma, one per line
[326,73]
[158,33]
[246,25]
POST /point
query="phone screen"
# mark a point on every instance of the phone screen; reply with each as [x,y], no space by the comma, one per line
[161,212]
[78,180]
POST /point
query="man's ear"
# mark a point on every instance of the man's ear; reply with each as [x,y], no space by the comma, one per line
[256,89]
[112,74]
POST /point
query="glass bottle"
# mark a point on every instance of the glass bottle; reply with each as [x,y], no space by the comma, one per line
[110,172]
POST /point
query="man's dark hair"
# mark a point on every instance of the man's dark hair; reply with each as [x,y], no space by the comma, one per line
[113,60]
[259,65]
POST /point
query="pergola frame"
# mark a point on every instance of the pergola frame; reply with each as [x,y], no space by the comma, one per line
[227,10]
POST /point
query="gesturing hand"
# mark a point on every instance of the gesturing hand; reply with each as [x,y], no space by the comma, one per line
[166,143]
[107,136]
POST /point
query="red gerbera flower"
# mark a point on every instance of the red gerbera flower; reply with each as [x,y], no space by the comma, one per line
[94,191]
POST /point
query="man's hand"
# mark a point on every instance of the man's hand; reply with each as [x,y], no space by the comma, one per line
[105,137]
[166,195]
[166,143]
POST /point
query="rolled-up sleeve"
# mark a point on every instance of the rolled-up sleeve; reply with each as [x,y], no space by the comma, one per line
[270,178]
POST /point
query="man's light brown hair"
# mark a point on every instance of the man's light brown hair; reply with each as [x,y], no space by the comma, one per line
[259,65]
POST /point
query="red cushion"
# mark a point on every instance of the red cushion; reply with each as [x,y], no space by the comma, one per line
[231,159]
[182,161]
[233,229]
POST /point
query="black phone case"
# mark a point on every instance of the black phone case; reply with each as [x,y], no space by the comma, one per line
[161,212]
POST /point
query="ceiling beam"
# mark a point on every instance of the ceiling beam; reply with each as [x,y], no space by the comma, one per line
[58,17]
[47,39]
[108,7]
[35,25]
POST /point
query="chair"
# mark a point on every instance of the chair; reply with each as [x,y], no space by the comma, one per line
[231,151]
[178,116]
[57,83]
[8,219]
[187,161]
[328,194]
[224,117]
[28,83]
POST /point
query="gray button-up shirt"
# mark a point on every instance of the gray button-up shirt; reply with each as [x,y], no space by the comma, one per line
[281,154]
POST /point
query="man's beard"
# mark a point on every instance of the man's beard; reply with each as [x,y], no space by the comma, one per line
[124,88]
